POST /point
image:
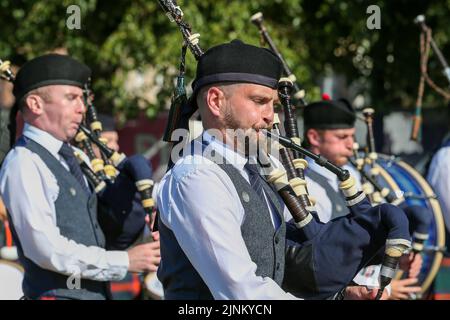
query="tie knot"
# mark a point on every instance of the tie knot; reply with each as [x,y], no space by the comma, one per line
[66,151]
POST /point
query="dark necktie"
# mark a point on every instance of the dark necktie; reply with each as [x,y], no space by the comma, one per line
[261,187]
[67,153]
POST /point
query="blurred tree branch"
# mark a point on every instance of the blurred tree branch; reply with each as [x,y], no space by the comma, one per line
[133,48]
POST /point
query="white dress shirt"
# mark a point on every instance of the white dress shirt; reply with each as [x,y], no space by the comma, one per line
[29,190]
[439,179]
[199,203]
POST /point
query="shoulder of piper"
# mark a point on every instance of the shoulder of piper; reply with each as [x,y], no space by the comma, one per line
[20,163]
[17,157]
[192,160]
[194,174]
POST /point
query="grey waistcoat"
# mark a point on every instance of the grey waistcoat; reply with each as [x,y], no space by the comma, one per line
[265,245]
[76,218]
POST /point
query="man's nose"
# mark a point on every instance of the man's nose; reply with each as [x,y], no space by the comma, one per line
[81,105]
[268,115]
[349,142]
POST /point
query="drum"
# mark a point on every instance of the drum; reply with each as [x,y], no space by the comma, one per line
[153,287]
[404,180]
[11,276]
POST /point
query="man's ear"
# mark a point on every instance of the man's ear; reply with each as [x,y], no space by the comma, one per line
[214,100]
[314,137]
[35,104]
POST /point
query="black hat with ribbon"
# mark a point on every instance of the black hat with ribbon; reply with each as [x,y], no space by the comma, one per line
[50,69]
[329,114]
[232,62]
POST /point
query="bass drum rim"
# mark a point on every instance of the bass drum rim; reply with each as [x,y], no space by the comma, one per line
[12,264]
[437,214]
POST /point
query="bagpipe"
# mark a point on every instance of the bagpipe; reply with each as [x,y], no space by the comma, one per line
[387,179]
[427,41]
[323,258]
[356,199]
[7,74]
[5,71]
[124,189]
[413,196]
[180,111]
[123,184]
[299,93]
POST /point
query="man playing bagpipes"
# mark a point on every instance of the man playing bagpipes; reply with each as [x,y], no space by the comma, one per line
[223,229]
[329,129]
[52,206]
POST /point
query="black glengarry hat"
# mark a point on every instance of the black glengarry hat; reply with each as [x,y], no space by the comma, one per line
[236,61]
[50,69]
[108,122]
[329,114]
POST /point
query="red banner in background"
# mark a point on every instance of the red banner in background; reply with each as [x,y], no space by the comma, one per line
[141,136]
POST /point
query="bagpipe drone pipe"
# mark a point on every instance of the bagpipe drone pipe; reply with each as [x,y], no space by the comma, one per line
[125,200]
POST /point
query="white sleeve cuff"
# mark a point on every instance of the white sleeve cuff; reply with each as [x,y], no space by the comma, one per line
[119,263]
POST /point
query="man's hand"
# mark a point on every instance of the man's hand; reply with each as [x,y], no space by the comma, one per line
[145,257]
[155,236]
[411,264]
[363,293]
[151,223]
[401,288]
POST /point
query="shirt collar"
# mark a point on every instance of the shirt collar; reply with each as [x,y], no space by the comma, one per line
[231,156]
[45,139]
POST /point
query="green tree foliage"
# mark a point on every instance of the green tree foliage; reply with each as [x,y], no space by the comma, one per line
[134,49]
